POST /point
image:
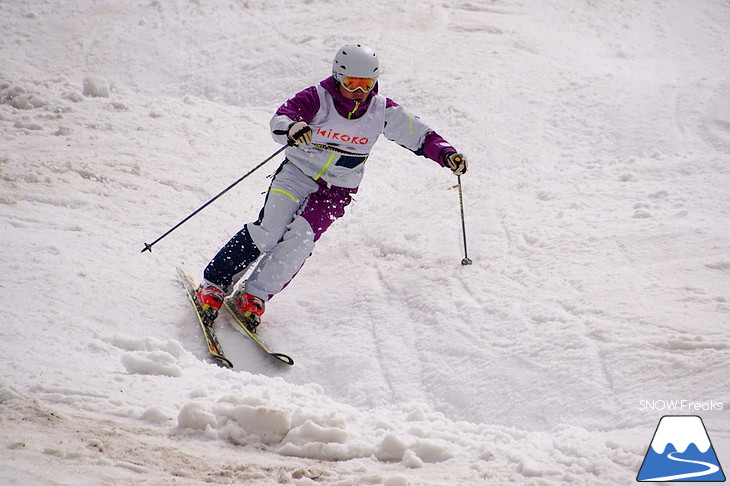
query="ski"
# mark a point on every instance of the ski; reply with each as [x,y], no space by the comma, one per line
[241,321]
[206,324]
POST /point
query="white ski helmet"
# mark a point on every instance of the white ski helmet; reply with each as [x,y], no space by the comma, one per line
[355,60]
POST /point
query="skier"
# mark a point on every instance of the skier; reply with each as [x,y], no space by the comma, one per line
[331,128]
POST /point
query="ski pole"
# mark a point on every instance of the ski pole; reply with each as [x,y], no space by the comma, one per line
[148,246]
[466,260]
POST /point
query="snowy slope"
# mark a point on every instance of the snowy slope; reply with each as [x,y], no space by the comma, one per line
[597,209]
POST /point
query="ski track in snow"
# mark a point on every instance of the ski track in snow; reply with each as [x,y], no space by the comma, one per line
[596,204]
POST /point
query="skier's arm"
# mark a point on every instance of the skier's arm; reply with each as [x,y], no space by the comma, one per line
[409,131]
[301,108]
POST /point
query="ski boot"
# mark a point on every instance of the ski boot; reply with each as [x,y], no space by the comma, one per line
[210,298]
[249,308]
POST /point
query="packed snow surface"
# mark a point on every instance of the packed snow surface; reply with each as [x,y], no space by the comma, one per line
[597,209]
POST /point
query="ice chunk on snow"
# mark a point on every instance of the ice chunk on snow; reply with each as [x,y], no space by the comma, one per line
[269,425]
[158,415]
[432,450]
[318,442]
[192,416]
[311,432]
[396,481]
[151,363]
[391,448]
[96,86]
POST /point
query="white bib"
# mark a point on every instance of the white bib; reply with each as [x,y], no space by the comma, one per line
[356,136]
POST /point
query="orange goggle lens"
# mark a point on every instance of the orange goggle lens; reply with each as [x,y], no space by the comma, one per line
[353,84]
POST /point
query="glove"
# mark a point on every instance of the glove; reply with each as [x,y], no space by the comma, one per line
[300,132]
[456,162]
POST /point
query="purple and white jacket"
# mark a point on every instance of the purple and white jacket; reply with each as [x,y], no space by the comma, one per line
[344,132]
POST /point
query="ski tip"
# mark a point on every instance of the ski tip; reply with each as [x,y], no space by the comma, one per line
[283,358]
[222,361]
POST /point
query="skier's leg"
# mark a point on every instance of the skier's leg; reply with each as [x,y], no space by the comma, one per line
[289,189]
[231,260]
[278,266]
[283,261]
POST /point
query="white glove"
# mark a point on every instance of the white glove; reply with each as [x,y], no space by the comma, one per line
[300,132]
[456,162]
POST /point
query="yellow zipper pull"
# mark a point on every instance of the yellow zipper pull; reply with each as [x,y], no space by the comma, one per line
[357,105]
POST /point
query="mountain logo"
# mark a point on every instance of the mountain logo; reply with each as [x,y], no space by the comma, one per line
[681,451]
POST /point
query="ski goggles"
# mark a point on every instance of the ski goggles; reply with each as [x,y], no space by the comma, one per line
[352,84]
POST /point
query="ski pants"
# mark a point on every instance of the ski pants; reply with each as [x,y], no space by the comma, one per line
[296,212]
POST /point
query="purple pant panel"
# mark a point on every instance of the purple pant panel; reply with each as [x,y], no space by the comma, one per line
[325,206]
